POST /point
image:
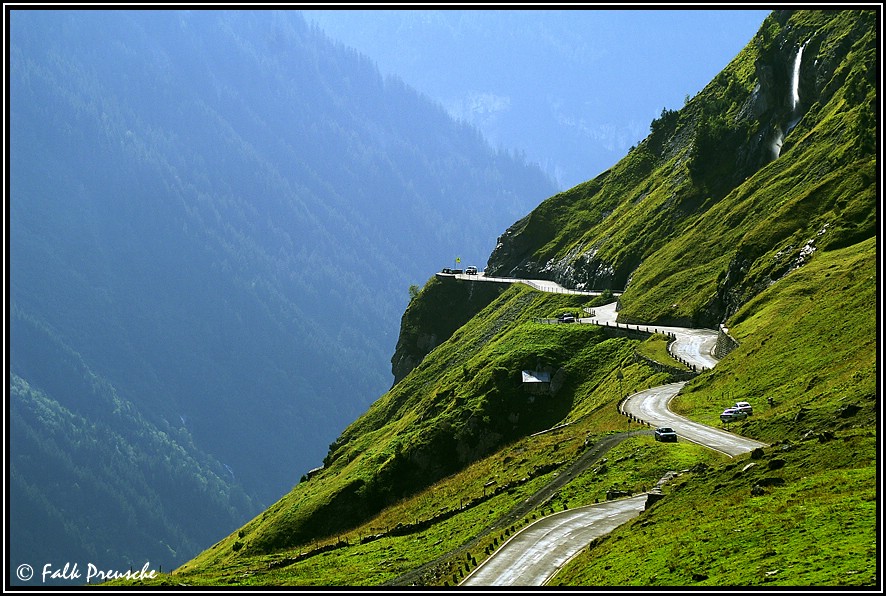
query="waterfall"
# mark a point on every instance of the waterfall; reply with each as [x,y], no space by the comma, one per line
[795,103]
[795,79]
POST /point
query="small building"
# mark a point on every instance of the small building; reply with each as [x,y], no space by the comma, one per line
[537,381]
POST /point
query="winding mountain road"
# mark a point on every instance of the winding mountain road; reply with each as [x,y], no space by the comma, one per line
[651,406]
[693,346]
[533,555]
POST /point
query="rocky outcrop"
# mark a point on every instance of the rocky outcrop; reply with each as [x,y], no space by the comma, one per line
[434,315]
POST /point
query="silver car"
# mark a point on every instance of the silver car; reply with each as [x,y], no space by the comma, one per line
[732,415]
[744,407]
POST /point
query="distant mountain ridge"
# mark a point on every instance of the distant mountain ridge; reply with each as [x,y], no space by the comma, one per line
[573,86]
[215,217]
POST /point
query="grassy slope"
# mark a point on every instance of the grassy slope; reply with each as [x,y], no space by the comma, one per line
[462,403]
[637,463]
[811,342]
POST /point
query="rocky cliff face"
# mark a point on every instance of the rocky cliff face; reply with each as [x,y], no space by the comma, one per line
[433,316]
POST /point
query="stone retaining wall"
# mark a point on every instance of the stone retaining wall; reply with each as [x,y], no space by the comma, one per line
[725,343]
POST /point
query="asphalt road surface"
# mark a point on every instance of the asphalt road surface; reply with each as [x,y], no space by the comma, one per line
[537,552]
[693,346]
[651,406]
[543,285]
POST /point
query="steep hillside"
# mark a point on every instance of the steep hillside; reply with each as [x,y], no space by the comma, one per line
[464,402]
[727,195]
[214,219]
[714,218]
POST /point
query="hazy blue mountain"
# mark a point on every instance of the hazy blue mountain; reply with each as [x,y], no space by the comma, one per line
[215,218]
[573,88]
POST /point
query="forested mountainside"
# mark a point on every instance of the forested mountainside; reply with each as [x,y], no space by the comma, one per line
[214,220]
[752,206]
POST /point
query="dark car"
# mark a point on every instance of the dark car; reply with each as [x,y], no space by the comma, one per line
[665,434]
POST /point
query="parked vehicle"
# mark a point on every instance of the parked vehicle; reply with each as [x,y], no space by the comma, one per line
[732,415]
[471,271]
[744,407]
[665,434]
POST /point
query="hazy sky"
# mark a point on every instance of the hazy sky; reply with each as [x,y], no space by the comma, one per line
[573,89]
